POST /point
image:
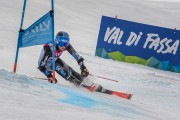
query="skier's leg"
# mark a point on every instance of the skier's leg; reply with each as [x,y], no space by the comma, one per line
[67,72]
[76,75]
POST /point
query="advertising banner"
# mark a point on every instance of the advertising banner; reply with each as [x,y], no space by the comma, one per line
[139,43]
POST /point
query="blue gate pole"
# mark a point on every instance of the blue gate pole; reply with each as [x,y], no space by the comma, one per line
[17,50]
[53,55]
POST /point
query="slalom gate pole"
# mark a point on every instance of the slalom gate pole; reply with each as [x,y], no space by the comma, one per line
[104,78]
[17,50]
[53,54]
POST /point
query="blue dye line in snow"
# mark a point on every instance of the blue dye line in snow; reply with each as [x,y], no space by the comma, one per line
[79,100]
[74,97]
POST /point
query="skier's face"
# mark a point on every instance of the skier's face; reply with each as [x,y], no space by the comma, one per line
[62,48]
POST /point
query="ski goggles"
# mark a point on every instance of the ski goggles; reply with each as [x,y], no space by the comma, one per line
[62,41]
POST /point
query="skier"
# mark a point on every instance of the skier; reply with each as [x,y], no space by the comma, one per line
[45,60]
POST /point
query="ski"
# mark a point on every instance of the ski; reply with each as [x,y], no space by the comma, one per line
[103,90]
[109,92]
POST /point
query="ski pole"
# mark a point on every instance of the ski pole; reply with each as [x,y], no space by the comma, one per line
[104,78]
[40,78]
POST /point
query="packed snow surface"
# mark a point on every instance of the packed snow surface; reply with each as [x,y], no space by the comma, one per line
[156,93]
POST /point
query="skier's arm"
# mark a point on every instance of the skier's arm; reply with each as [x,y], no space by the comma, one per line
[79,59]
[76,56]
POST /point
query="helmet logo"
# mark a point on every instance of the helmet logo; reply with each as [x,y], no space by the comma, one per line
[64,41]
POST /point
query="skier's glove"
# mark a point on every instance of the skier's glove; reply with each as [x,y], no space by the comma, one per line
[84,72]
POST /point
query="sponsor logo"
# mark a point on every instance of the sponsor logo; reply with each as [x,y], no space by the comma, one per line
[152,41]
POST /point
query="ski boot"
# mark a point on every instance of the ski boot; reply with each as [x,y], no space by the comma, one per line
[51,80]
[98,88]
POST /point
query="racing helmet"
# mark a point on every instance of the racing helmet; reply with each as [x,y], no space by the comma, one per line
[62,39]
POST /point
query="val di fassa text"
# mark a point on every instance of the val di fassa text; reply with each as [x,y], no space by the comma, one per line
[160,45]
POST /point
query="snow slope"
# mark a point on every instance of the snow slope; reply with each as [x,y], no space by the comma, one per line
[156,93]
[25,98]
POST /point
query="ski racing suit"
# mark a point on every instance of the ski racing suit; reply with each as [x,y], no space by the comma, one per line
[63,69]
